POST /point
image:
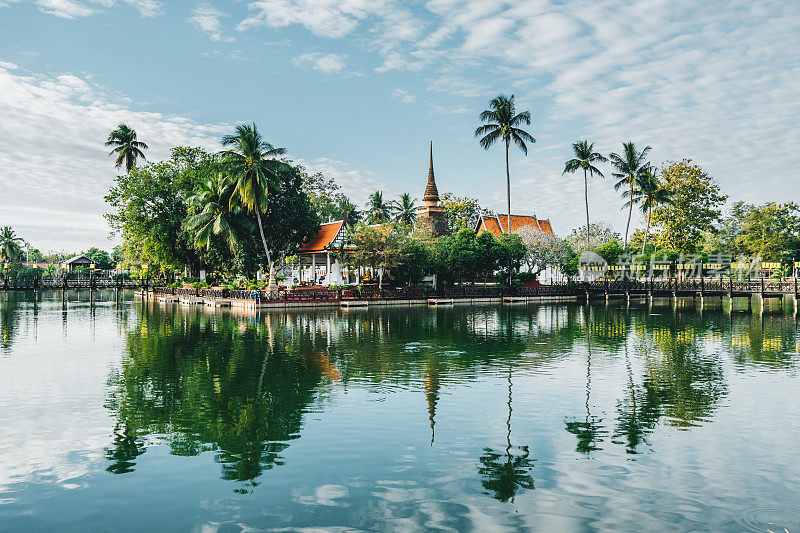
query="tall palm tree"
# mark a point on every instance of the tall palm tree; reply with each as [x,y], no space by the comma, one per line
[585,157]
[628,166]
[405,210]
[250,163]
[651,193]
[501,121]
[126,147]
[10,249]
[214,214]
[378,211]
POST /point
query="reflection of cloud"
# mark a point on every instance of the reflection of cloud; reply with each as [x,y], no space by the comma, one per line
[326,495]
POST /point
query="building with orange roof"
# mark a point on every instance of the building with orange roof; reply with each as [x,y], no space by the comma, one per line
[497,224]
[331,237]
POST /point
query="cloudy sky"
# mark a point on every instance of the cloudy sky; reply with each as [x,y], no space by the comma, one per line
[357,89]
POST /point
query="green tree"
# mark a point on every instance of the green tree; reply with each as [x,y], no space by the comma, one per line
[501,121]
[628,166]
[650,194]
[610,251]
[127,148]
[585,159]
[250,162]
[328,202]
[10,249]
[461,211]
[211,212]
[405,209]
[695,206]
[512,254]
[772,231]
[100,258]
[378,211]
[148,209]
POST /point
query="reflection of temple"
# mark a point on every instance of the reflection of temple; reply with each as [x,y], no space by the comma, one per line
[432,390]
[431,217]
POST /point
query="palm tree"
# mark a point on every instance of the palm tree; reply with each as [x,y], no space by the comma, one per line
[405,210]
[251,164]
[501,121]
[378,211]
[651,193]
[584,158]
[628,166]
[10,249]
[126,147]
[214,214]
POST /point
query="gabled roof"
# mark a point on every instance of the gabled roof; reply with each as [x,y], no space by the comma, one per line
[322,240]
[75,259]
[496,224]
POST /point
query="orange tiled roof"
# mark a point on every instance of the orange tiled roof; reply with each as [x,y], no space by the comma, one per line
[496,224]
[323,239]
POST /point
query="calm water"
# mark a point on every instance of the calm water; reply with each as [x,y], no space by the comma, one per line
[124,416]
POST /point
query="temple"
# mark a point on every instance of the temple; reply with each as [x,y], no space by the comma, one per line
[497,224]
[431,217]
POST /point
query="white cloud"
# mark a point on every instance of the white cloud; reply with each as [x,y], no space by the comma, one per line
[146,8]
[71,9]
[325,18]
[356,183]
[403,96]
[54,198]
[327,63]
[207,19]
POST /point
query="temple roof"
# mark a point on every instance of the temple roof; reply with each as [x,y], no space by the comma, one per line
[322,240]
[431,192]
[496,224]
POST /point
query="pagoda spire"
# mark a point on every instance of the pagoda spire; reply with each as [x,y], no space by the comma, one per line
[431,192]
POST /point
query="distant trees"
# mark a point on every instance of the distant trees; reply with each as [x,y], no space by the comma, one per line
[405,209]
[127,148]
[378,210]
[502,122]
[461,211]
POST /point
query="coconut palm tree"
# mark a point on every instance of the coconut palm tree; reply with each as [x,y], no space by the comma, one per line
[585,157]
[250,163]
[10,249]
[378,211]
[405,210]
[126,147]
[214,214]
[501,121]
[651,193]
[628,165]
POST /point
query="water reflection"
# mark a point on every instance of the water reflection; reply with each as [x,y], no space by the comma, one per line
[200,384]
[375,411]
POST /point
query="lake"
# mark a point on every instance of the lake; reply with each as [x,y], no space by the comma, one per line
[118,415]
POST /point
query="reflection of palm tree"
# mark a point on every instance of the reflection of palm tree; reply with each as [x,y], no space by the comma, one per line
[125,449]
[505,473]
[589,432]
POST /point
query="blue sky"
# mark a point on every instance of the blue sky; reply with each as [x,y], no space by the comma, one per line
[357,89]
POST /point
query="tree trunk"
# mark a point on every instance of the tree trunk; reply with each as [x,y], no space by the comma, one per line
[630,213]
[647,227]
[508,193]
[586,197]
[272,286]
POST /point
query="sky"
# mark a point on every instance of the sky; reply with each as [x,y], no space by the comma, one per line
[358,89]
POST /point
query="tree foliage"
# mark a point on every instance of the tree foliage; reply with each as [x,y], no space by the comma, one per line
[695,206]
